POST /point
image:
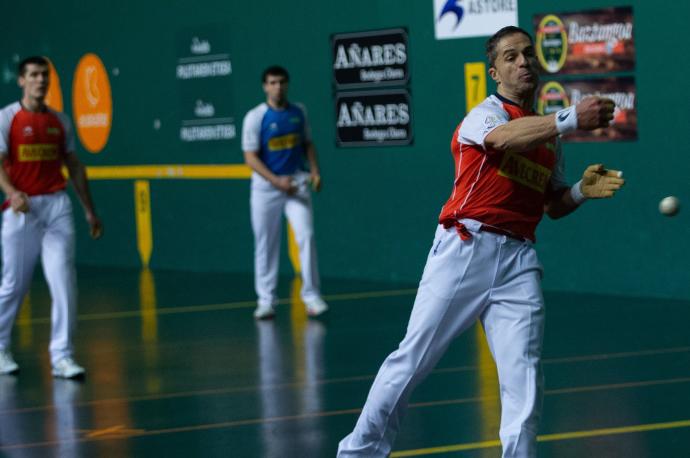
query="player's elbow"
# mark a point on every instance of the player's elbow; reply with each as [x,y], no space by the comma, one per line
[554,214]
[495,142]
[73,165]
[554,211]
[249,157]
[501,143]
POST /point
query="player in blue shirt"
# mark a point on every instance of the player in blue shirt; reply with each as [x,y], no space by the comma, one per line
[276,139]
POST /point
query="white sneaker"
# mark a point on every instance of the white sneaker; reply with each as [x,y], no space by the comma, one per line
[264,312]
[67,368]
[7,363]
[316,307]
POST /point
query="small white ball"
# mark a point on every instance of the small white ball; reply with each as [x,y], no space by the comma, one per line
[669,206]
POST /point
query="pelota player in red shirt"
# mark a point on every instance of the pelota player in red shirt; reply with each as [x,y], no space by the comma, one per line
[482,264]
[35,142]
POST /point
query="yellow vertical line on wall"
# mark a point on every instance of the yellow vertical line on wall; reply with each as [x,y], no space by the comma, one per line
[475,84]
[490,406]
[293,250]
[142,201]
[24,328]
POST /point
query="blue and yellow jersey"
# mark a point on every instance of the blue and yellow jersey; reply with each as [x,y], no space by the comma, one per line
[278,136]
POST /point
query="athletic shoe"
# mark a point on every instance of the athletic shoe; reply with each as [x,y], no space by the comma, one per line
[7,363]
[67,368]
[316,307]
[264,312]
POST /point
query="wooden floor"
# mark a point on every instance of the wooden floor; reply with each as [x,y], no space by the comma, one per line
[177,367]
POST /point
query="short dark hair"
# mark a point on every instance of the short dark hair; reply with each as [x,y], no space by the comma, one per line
[275,70]
[492,42]
[38,60]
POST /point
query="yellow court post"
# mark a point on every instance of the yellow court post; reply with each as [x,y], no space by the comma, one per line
[142,205]
[475,84]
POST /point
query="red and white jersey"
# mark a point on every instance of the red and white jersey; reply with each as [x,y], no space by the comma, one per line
[33,146]
[504,190]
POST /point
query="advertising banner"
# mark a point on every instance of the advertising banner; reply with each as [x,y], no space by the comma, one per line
[373,118]
[374,58]
[596,41]
[204,71]
[473,18]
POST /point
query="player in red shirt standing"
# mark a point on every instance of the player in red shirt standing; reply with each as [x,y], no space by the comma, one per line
[35,142]
[482,264]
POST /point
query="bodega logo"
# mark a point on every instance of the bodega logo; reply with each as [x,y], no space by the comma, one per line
[552,98]
[552,43]
[92,103]
[54,95]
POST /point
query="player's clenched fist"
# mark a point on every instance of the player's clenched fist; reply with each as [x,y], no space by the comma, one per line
[594,112]
[598,182]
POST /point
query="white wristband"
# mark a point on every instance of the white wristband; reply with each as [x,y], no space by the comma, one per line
[576,193]
[566,120]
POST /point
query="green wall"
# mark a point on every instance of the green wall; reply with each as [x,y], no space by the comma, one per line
[376,215]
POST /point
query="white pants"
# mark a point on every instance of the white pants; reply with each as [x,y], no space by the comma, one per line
[46,230]
[267,206]
[488,277]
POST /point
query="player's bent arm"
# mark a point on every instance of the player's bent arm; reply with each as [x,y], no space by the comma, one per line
[561,204]
[310,150]
[282,182]
[597,183]
[251,158]
[5,183]
[314,170]
[522,134]
[77,173]
[19,200]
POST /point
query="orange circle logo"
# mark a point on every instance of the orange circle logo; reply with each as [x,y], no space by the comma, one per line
[92,103]
[54,95]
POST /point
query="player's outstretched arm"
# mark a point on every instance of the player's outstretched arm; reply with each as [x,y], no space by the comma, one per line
[524,134]
[77,173]
[597,183]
